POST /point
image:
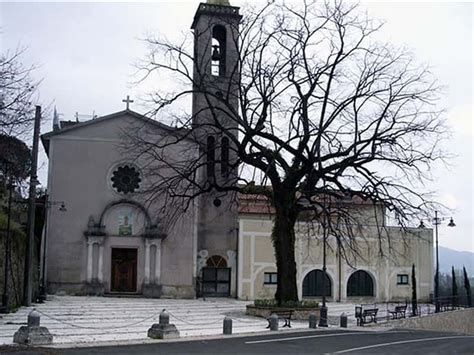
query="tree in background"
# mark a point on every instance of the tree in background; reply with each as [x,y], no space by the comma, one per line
[324,110]
[454,288]
[467,287]
[18,94]
[15,159]
[414,302]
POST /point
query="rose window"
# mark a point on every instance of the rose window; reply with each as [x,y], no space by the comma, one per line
[126,179]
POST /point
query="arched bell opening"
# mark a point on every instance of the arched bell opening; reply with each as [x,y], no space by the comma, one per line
[218,48]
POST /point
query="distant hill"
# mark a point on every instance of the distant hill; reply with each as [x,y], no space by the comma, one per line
[458,259]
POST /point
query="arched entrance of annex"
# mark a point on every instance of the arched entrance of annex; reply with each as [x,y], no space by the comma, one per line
[360,284]
[313,284]
[216,277]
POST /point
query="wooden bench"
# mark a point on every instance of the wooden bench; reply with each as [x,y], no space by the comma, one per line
[283,314]
[399,312]
[366,315]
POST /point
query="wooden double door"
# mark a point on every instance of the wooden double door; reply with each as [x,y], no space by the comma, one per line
[124,270]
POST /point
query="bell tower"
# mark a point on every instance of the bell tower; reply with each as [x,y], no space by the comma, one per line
[215,112]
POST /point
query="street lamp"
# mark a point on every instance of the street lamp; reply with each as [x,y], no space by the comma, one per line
[323,312]
[47,205]
[437,221]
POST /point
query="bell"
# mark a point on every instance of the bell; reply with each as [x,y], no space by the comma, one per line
[216,56]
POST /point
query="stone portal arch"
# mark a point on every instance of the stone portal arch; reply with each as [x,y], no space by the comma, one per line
[126,202]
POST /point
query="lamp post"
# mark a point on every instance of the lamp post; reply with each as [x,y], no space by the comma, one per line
[47,205]
[437,221]
[323,315]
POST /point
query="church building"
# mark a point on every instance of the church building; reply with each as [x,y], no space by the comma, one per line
[111,239]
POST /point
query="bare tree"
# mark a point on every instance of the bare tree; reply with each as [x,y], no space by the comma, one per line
[325,114]
[18,94]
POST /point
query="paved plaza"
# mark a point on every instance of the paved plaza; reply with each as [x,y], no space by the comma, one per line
[82,320]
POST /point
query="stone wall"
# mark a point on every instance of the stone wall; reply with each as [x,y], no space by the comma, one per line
[459,321]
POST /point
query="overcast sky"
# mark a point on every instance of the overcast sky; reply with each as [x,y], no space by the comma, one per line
[86,52]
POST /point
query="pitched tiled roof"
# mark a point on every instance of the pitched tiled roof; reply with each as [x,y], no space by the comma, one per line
[260,204]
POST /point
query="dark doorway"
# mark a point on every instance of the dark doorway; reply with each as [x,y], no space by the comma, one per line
[313,284]
[124,270]
[216,281]
[360,284]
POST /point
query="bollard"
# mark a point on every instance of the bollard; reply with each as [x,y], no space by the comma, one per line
[33,318]
[343,322]
[227,326]
[164,317]
[163,330]
[33,334]
[273,320]
[313,321]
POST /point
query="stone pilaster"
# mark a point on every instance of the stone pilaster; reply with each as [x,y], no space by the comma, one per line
[152,280]
[94,280]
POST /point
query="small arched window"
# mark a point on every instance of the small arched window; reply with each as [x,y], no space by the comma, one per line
[210,155]
[225,156]
[216,261]
[218,50]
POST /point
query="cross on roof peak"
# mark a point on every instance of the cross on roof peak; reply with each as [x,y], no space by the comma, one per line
[127,101]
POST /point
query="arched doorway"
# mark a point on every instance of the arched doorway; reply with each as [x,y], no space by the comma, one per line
[313,284]
[360,284]
[216,277]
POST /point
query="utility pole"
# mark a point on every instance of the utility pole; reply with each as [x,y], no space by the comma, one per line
[5,295]
[28,279]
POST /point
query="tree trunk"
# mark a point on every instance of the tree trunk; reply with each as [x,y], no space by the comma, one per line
[283,237]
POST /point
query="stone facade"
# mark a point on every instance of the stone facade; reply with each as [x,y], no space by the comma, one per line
[81,240]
